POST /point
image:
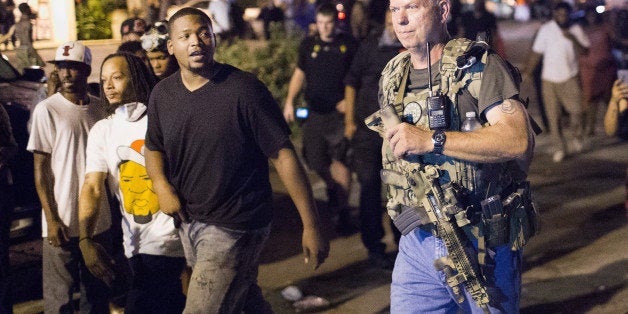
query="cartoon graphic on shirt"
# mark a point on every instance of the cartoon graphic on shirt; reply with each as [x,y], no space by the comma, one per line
[138,196]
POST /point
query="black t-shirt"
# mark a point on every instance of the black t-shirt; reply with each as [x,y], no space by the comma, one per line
[365,72]
[325,65]
[216,141]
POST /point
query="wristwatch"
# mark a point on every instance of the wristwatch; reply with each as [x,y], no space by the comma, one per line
[438,138]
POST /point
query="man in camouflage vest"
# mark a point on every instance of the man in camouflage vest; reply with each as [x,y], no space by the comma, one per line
[460,199]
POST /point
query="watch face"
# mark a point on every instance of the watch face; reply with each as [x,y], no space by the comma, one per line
[439,137]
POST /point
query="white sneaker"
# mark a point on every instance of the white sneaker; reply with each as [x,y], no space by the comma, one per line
[558,156]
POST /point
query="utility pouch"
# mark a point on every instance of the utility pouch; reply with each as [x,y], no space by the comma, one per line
[524,217]
[495,222]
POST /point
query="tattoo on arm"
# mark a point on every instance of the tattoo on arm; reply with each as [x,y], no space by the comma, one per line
[508,107]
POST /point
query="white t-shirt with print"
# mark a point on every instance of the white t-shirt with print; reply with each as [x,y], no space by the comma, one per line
[60,128]
[560,60]
[116,147]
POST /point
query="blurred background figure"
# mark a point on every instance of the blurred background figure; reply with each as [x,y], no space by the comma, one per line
[154,42]
[619,20]
[597,68]
[134,47]
[132,29]
[481,22]
[7,19]
[301,13]
[361,88]
[221,23]
[453,22]
[25,54]
[376,13]
[323,62]
[359,20]
[559,43]
[152,11]
[270,13]
[616,118]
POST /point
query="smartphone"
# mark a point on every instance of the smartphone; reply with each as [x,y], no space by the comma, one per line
[302,113]
[623,75]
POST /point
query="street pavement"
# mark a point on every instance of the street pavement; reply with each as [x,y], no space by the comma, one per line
[577,264]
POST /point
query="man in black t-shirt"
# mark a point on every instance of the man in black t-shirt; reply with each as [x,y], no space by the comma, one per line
[324,59]
[361,101]
[211,130]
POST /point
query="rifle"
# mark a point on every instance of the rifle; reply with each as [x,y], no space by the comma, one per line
[441,206]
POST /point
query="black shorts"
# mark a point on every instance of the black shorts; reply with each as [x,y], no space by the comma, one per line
[322,134]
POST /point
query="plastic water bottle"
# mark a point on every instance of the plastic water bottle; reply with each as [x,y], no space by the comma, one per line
[470,123]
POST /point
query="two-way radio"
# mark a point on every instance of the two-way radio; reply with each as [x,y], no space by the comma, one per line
[438,107]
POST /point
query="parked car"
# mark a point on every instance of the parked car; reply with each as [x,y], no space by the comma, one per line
[19,93]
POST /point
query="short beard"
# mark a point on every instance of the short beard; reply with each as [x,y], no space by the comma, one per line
[206,69]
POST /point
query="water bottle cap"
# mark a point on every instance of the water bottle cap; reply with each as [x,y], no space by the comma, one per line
[470,114]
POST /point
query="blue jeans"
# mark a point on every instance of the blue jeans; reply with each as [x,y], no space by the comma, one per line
[417,287]
[224,269]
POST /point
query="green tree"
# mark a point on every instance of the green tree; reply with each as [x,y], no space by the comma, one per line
[93,20]
[272,61]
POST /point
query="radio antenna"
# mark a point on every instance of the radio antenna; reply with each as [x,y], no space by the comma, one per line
[429,70]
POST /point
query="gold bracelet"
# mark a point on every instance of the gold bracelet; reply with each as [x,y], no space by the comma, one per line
[85,238]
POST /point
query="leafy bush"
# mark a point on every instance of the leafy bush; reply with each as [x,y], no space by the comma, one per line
[272,61]
[93,20]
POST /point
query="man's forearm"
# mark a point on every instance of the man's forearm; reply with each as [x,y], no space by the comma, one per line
[89,200]
[155,169]
[349,106]
[507,137]
[155,166]
[531,64]
[296,82]
[44,184]
[294,179]
[611,117]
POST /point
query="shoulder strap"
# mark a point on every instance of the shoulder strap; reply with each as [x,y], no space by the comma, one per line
[459,56]
[393,78]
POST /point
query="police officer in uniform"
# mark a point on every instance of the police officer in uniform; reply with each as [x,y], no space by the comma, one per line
[323,62]
[440,181]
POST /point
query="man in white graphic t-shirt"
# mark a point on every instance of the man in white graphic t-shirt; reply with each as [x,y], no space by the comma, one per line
[115,153]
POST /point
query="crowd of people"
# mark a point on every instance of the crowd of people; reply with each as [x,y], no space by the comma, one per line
[137,165]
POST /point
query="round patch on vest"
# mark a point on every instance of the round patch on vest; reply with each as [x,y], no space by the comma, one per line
[412,112]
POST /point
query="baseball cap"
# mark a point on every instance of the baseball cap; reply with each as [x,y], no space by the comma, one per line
[156,37]
[73,51]
[133,25]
